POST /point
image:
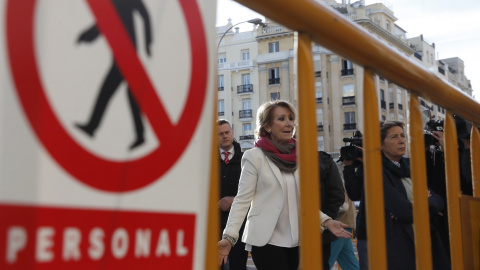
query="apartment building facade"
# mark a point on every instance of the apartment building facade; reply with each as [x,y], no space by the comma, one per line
[338,81]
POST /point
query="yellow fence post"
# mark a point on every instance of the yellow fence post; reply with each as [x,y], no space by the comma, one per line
[421,220]
[373,178]
[475,153]
[213,222]
[310,237]
[452,173]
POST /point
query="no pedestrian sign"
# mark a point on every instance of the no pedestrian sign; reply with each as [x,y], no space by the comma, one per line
[106,116]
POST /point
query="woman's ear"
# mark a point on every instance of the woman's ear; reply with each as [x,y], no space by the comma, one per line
[268,129]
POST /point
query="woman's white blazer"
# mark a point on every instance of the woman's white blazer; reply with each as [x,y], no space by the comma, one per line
[260,188]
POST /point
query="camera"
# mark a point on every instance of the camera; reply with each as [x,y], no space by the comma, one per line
[430,127]
[351,152]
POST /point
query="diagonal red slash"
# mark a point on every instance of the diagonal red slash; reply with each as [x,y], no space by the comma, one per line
[89,168]
[125,54]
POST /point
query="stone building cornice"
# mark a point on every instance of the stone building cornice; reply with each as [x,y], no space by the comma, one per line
[387,36]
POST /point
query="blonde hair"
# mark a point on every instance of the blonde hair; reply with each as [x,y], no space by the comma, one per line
[265,115]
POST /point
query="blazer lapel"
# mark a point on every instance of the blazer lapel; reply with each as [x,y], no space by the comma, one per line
[296,175]
[276,171]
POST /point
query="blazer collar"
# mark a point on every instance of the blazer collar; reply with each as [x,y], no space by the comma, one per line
[278,173]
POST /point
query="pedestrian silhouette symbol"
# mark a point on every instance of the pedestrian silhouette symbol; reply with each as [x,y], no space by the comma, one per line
[114,78]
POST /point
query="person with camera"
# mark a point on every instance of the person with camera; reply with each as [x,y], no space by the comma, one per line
[353,179]
[351,156]
[436,179]
[398,196]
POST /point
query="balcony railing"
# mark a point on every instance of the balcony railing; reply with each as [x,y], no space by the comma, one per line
[274,81]
[220,88]
[391,105]
[319,127]
[346,72]
[221,113]
[318,74]
[246,137]
[383,104]
[348,100]
[319,100]
[245,88]
[349,126]
[245,114]
[400,106]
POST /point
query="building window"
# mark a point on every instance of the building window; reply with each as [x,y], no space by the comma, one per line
[221,108]
[222,58]
[348,94]
[320,117]
[318,91]
[318,96]
[247,129]
[220,83]
[348,90]
[349,121]
[320,144]
[246,104]
[388,26]
[246,79]
[273,76]
[399,96]
[273,47]
[275,96]
[383,103]
[391,98]
[245,55]
[246,111]
[318,68]
[347,67]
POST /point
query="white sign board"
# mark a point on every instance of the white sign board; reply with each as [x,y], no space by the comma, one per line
[105,116]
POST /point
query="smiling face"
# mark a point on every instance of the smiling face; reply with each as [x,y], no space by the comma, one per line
[282,125]
[394,144]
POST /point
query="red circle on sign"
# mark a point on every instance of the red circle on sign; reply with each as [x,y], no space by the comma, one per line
[97,172]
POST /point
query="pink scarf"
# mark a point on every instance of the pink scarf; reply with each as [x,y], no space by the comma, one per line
[283,155]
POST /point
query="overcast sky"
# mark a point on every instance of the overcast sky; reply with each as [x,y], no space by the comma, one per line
[454,27]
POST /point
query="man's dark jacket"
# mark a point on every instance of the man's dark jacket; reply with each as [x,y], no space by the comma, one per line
[229,177]
[332,194]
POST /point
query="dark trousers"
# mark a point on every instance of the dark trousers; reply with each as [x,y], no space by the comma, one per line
[237,258]
[326,250]
[271,257]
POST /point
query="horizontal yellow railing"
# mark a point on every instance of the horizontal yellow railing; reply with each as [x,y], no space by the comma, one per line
[328,28]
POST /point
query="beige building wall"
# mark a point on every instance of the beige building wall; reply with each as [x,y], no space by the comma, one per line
[237,54]
[333,74]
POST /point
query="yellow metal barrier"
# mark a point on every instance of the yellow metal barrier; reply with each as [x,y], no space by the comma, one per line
[310,256]
[329,29]
[421,221]
[475,152]
[453,192]
[372,159]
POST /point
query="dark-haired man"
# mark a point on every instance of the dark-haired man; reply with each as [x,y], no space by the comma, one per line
[230,169]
